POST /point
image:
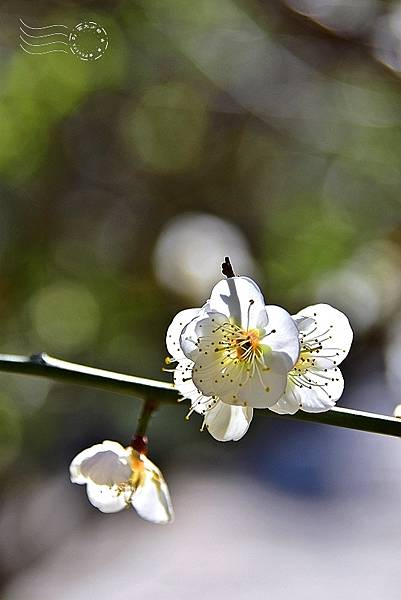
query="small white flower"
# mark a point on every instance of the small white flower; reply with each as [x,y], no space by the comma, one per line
[118,477]
[315,383]
[233,355]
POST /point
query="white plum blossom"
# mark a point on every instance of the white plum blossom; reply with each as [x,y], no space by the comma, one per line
[316,383]
[118,477]
[234,354]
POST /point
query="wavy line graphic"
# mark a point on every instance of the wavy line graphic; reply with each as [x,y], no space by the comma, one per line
[44,40]
[42,36]
[47,26]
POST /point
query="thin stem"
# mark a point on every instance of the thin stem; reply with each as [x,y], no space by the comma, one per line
[350,419]
[140,440]
[43,365]
[148,408]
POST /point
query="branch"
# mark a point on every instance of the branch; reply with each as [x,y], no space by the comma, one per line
[42,365]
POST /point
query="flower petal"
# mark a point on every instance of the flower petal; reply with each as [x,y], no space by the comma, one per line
[76,474]
[152,499]
[203,324]
[319,395]
[213,379]
[228,423]
[183,380]
[288,404]
[184,383]
[262,390]
[106,468]
[326,389]
[304,323]
[240,299]
[175,329]
[330,330]
[283,335]
[105,498]
[213,374]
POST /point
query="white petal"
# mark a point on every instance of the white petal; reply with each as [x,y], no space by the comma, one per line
[209,373]
[106,499]
[260,391]
[210,325]
[282,335]
[319,395]
[202,324]
[228,423]
[75,466]
[288,404]
[175,329]
[211,377]
[152,499]
[210,332]
[330,329]
[323,394]
[240,299]
[186,387]
[183,380]
[304,323]
[106,468]
[76,474]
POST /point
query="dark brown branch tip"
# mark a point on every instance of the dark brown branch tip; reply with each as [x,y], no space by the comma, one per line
[226,268]
[140,444]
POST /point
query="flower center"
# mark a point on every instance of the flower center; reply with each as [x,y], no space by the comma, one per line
[135,480]
[246,345]
[137,470]
[305,361]
[233,344]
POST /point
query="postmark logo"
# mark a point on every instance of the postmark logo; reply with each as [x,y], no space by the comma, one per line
[87,41]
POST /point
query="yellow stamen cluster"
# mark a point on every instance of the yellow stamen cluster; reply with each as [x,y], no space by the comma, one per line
[312,347]
[247,344]
[135,480]
[237,344]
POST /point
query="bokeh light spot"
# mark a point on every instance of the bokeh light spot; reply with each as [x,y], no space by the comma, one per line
[190,249]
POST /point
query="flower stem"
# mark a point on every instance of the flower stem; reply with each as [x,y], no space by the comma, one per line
[148,408]
[140,440]
[43,365]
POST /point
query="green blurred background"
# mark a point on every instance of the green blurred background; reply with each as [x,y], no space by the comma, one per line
[268,131]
